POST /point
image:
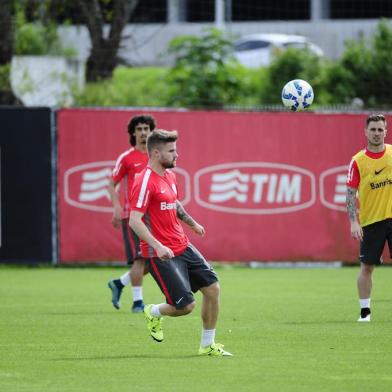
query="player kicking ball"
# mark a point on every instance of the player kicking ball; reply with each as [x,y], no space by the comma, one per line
[176,265]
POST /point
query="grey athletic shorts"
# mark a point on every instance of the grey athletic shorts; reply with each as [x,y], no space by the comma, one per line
[131,243]
[181,276]
[374,238]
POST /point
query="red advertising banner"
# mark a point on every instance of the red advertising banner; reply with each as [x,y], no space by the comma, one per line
[266,186]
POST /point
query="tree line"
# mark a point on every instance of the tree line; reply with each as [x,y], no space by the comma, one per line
[205,73]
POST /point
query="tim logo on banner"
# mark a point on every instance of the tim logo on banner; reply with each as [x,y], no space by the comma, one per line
[85,186]
[255,188]
[333,188]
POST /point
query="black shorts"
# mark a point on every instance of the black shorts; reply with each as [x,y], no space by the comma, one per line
[181,276]
[131,242]
[374,238]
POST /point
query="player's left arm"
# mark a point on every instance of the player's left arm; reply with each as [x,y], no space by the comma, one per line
[186,218]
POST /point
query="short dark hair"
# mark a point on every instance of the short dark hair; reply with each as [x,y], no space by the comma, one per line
[159,137]
[139,119]
[376,117]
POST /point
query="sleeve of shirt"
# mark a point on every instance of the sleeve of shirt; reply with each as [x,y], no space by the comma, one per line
[120,169]
[141,192]
[353,176]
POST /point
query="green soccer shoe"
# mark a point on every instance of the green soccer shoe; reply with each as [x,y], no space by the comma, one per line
[214,350]
[154,324]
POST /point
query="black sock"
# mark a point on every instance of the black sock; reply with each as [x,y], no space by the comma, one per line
[365,312]
[118,283]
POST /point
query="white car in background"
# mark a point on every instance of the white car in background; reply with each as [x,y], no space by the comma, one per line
[258,50]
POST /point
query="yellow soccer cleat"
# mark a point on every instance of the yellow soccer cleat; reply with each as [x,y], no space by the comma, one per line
[214,350]
[154,324]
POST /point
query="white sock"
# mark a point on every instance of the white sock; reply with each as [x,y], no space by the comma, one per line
[125,279]
[155,311]
[137,292]
[207,337]
[365,303]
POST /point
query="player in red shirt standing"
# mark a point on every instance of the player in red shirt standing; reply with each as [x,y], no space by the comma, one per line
[128,164]
[176,265]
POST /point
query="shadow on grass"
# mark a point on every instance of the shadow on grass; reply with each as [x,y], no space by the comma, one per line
[323,322]
[86,312]
[116,357]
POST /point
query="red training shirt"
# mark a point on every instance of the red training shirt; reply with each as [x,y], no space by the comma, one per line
[128,164]
[155,196]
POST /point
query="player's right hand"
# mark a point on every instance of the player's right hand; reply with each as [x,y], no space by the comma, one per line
[116,219]
[116,222]
[356,231]
[164,253]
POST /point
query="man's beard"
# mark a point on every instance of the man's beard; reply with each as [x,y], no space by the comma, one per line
[168,165]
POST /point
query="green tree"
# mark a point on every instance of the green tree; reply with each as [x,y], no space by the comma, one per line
[7,97]
[148,88]
[364,71]
[34,29]
[381,58]
[291,64]
[103,56]
[104,19]
[204,71]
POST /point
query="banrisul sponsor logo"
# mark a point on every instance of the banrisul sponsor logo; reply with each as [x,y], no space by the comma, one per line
[333,188]
[86,186]
[255,188]
[380,184]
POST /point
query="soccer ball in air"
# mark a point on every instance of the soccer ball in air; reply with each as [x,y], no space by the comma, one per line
[297,95]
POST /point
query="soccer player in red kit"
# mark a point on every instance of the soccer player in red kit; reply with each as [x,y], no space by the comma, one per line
[128,164]
[176,265]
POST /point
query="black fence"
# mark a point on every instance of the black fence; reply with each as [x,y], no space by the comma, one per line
[27,207]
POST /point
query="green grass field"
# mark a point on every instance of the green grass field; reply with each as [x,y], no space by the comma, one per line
[289,330]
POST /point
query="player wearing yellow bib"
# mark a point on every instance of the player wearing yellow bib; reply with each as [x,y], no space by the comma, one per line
[370,176]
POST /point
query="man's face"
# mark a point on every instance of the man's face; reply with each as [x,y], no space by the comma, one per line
[168,155]
[376,133]
[141,132]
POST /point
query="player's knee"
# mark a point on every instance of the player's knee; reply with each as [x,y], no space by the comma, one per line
[212,290]
[138,264]
[188,308]
[367,268]
[137,268]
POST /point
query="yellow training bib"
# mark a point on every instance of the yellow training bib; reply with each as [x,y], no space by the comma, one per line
[375,187]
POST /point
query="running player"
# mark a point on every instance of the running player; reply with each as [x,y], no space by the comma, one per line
[177,266]
[128,164]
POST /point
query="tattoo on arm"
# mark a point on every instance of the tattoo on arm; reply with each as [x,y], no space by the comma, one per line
[183,215]
[351,203]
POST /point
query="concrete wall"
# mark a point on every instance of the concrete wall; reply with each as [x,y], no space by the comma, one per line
[146,44]
[46,80]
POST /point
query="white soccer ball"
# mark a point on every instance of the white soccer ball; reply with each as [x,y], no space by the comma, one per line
[297,95]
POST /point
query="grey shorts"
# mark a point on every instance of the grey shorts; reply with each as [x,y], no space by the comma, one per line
[182,276]
[131,243]
[374,238]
